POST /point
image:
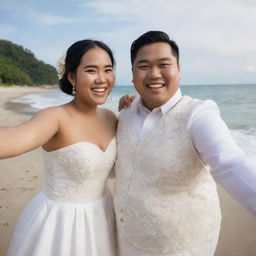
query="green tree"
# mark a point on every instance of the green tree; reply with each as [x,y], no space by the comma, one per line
[19,66]
[11,74]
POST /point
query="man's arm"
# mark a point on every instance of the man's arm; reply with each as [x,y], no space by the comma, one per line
[229,165]
[125,101]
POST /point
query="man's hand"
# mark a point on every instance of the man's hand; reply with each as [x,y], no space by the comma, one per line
[125,101]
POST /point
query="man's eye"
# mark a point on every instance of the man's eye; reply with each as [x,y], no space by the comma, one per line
[143,67]
[164,65]
[109,70]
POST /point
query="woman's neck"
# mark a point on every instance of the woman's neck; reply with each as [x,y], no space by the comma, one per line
[84,108]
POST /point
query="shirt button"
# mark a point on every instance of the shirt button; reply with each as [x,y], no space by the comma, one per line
[122,220]
[121,210]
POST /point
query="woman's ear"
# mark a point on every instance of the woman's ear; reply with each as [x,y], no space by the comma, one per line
[178,66]
[71,78]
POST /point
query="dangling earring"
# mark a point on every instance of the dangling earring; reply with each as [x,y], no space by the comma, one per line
[73,91]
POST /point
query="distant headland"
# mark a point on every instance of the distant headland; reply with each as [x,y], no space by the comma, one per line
[19,66]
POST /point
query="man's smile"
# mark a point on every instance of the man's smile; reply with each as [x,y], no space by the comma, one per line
[153,86]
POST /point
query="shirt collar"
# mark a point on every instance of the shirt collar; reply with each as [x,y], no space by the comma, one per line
[163,108]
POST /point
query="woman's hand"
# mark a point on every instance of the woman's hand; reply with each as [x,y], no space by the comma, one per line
[125,101]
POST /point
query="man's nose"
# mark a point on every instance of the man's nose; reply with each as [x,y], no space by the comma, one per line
[154,73]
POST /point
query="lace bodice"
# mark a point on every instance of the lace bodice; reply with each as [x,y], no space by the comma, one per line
[78,172]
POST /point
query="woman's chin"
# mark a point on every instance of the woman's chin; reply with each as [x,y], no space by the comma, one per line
[101,102]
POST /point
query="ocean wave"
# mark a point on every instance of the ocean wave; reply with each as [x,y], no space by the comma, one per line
[44,99]
[246,140]
[55,97]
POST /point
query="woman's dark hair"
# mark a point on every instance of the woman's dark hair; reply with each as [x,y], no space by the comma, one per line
[73,58]
[153,37]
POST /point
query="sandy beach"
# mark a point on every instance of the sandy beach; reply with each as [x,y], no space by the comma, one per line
[22,177]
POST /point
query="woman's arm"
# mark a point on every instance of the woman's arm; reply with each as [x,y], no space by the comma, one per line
[29,135]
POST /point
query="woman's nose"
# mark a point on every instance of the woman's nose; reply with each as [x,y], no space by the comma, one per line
[100,78]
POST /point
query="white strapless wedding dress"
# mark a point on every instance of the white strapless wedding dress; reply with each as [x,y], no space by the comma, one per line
[73,215]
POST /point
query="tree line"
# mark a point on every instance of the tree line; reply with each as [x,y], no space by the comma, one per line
[19,66]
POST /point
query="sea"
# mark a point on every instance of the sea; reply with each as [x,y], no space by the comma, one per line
[237,105]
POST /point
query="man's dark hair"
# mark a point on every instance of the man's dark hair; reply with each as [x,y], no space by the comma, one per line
[153,37]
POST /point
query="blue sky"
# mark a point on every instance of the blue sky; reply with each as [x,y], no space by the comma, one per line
[217,38]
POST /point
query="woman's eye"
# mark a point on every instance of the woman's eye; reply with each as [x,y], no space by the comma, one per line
[90,71]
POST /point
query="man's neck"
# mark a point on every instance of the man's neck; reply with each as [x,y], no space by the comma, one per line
[166,106]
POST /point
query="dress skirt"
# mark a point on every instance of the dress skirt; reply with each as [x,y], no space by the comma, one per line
[53,228]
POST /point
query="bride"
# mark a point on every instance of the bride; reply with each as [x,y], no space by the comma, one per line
[73,215]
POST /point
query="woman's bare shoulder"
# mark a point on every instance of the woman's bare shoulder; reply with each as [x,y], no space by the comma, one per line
[52,110]
[55,111]
[109,115]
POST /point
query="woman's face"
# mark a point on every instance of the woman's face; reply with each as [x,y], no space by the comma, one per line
[94,78]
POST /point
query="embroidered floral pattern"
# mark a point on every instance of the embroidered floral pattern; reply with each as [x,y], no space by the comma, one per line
[166,200]
[78,173]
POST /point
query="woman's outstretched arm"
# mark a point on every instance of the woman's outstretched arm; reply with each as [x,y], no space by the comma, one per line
[29,135]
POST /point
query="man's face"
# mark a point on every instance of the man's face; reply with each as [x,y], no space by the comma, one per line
[156,74]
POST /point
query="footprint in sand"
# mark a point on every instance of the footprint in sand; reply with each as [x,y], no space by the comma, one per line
[5,223]
[2,207]
[25,189]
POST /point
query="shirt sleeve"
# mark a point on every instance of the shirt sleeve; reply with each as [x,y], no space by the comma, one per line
[229,165]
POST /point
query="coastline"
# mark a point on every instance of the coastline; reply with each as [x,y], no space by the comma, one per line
[22,178]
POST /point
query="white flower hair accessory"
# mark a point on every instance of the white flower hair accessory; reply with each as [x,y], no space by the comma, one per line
[60,66]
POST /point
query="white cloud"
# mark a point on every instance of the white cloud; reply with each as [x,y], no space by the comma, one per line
[222,27]
[111,8]
[213,36]
[6,29]
[47,19]
[251,69]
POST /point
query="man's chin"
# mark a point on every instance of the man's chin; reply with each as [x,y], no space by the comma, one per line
[153,103]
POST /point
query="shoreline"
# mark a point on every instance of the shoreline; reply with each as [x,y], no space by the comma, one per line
[22,178]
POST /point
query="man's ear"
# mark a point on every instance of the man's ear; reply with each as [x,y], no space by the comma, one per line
[132,73]
[178,66]
[71,78]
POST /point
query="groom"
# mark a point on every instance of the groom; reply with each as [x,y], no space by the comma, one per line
[171,148]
